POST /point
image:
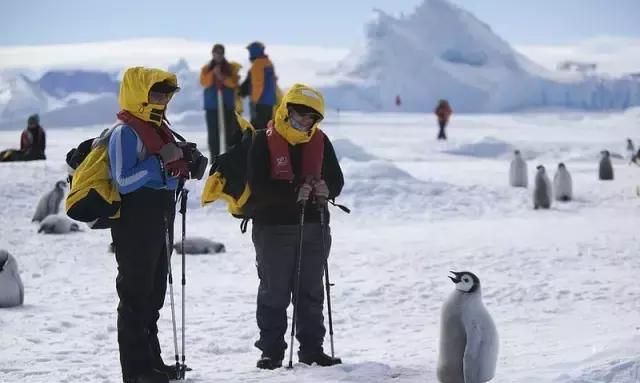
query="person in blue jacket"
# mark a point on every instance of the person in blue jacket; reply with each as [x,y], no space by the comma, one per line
[146,166]
[260,85]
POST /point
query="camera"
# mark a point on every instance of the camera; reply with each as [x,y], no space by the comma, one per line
[196,162]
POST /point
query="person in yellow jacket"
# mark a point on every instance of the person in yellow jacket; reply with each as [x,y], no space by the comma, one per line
[146,166]
[219,75]
[260,86]
[239,106]
[292,171]
[279,95]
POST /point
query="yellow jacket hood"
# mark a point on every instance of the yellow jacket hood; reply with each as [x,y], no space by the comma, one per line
[134,92]
[298,94]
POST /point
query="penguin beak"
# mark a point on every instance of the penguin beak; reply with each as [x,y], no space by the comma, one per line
[456,277]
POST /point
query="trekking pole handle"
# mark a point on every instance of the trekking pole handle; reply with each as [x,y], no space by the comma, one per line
[183,200]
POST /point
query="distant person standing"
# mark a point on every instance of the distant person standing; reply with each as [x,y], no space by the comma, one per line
[260,86]
[398,101]
[443,113]
[219,77]
[239,105]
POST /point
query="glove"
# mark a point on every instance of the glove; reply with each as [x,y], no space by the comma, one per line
[304,192]
[170,152]
[321,190]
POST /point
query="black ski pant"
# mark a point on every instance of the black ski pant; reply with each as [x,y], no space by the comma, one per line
[139,237]
[276,257]
[262,115]
[230,125]
[442,135]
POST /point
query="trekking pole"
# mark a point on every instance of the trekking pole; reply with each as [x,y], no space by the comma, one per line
[222,133]
[323,228]
[297,286]
[173,307]
[183,211]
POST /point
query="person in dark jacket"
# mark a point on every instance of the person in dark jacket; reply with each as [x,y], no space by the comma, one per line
[146,166]
[33,142]
[219,75]
[260,85]
[443,113]
[292,164]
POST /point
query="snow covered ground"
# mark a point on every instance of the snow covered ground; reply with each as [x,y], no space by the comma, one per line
[562,285]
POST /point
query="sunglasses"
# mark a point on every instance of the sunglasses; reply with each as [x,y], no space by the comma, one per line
[303,121]
[159,98]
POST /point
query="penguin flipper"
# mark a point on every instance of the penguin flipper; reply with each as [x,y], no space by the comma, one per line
[472,360]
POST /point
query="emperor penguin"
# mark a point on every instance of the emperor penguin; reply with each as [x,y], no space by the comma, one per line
[198,245]
[542,189]
[468,336]
[50,202]
[57,224]
[11,288]
[518,175]
[562,185]
[631,151]
[605,171]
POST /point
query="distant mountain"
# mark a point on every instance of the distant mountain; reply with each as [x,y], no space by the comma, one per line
[438,51]
[442,51]
[61,83]
[20,97]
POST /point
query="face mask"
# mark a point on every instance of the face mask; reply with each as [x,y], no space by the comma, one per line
[158,98]
[302,122]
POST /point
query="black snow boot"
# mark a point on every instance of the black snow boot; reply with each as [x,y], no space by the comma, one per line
[169,371]
[151,376]
[320,358]
[268,363]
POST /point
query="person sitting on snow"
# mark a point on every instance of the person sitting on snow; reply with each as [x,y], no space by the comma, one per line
[32,143]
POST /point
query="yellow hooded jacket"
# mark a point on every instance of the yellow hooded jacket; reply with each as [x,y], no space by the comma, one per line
[227,177]
[93,197]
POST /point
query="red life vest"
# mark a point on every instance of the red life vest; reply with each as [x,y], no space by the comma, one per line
[312,156]
[154,138]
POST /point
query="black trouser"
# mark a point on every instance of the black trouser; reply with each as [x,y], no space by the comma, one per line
[263,114]
[276,257]
[213,132]
[441,133]
[139,237]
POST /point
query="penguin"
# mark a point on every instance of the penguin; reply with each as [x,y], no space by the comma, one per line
[605,171]
[198,245]
[11,288]
[562,185]
[57,224]
[50,202]
[468,336]
[636,158]
[630,150]
[542,189]
[518,175]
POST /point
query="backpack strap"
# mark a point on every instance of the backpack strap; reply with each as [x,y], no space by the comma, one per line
[177,135]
